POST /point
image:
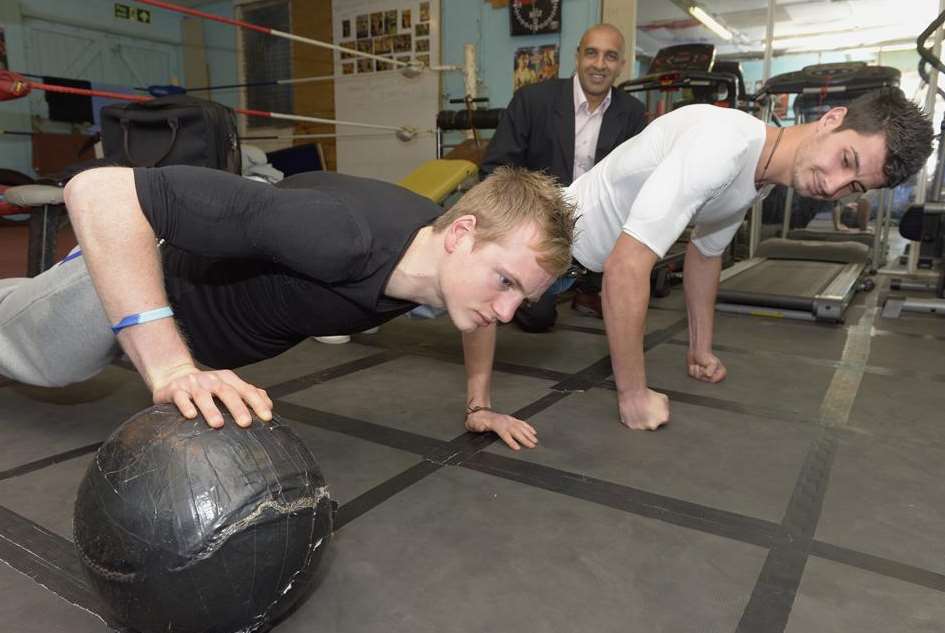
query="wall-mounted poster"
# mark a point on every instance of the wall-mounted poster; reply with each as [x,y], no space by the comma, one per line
[390,22]
[383,45]
[534,64]
[365,64]
[377,24]
[364,27]
[402,43]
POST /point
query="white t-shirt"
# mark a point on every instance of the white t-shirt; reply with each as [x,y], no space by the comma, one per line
[693,165]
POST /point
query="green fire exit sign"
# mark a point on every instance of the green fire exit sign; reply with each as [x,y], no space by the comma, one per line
[124,12]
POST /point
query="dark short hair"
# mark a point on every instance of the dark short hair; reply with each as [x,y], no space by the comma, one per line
[907,129]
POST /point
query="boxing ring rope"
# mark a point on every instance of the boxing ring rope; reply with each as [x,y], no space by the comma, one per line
[14,86]
[409,69]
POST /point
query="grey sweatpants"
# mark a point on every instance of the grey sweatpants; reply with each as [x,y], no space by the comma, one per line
[53,328]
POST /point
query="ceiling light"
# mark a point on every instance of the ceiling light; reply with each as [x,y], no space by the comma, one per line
[710,23]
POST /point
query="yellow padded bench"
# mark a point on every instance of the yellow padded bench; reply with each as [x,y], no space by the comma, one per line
[437,179]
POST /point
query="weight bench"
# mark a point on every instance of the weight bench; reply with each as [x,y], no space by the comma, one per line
[440,178]
[44,203]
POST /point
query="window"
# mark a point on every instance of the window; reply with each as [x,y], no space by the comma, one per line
[264,58]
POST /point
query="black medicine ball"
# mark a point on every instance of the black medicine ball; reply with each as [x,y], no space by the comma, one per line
[184,529]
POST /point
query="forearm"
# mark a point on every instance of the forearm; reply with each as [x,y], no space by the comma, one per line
[701,283]
[625,296]
[478,355]
[120,251]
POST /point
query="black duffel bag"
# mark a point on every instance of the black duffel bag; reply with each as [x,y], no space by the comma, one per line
[171,130]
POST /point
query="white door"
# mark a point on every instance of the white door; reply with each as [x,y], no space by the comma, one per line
[72,52]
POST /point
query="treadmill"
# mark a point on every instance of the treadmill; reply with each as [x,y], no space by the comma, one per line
[680,75]
[806,279]
[684,74]
[924,222]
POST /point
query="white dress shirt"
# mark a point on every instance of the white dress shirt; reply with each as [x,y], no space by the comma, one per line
[586,129]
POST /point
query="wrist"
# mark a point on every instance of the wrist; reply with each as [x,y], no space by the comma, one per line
[158,378]
[474,408]
[701,348]
[631,395]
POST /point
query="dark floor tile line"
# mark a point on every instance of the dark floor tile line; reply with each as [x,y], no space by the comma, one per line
[600,370]
[911,335]
[583,329]
[529,372]
[39,464]
[775,590]
[435,453]
[879,565]
[361,429]
[457,359]
[382,492]
[681,310]
[464,446]
[658,337]
[772,597]
[686,514]
[904,374]
[47,558]
[283,389]
[769,354]
[892,372]
[586,378]
[721,404]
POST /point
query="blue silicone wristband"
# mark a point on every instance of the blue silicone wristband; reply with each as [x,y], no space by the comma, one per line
[144,317]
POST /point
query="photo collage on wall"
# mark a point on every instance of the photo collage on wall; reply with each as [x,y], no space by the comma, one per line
[398,34]
[533,64]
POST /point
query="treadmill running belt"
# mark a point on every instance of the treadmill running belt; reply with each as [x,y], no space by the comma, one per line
[785,277]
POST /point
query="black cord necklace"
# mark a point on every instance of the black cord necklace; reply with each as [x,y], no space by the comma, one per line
[771,155]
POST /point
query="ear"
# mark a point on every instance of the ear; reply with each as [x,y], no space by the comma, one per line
[833,118]
[463,227]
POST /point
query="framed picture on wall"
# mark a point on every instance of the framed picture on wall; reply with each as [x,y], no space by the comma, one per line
[534,64]
[527,17]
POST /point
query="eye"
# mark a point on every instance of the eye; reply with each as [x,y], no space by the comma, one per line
[505,282]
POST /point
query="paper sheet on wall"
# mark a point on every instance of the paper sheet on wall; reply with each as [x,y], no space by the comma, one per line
[368,91]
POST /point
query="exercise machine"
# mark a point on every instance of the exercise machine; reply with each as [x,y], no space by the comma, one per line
[924,222]
[681,75]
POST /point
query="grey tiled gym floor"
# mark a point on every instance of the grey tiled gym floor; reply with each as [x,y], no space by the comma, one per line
[804,494]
